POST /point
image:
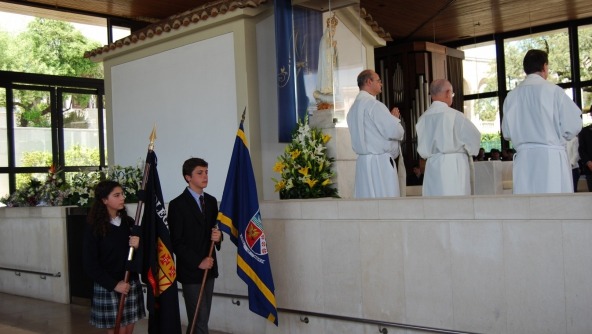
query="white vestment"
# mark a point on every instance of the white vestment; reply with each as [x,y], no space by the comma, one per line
[375,136]
[447,140]
[539,118]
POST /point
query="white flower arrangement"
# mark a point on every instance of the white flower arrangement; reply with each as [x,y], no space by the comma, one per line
[305,167]
[78,191]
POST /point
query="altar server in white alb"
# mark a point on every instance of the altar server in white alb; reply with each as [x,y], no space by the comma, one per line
[539,119]
[447,140]
[375,135]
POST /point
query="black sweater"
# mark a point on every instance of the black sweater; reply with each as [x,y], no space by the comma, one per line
[104,258]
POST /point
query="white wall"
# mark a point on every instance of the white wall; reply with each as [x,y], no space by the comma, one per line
[34,239]
[189,93]
[485,264]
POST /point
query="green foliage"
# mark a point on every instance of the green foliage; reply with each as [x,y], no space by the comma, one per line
[77,155]
[46,47]
[305,167]
[32,159]
[57,48]
[486,109]
[557,46]
[491,140]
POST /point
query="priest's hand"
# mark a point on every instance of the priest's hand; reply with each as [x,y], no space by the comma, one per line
[395,112]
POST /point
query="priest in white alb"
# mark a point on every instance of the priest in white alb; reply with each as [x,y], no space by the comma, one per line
[539,118]
[375,135]
[447,140]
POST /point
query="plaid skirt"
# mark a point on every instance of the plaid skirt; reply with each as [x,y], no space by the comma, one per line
[105,305]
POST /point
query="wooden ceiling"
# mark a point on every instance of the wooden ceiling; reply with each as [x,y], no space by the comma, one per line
[438,21]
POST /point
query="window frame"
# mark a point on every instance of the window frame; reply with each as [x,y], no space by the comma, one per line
[56,86]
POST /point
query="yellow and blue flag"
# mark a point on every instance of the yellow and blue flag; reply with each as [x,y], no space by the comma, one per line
[240,218]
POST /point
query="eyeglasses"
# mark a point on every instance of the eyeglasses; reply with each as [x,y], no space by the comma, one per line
[378,80]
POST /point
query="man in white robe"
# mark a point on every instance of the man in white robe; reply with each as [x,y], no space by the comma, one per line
[375,135]
[539,119]
[447,140]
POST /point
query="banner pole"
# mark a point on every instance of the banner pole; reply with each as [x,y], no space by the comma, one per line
[137,223]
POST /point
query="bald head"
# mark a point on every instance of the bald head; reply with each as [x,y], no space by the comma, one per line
[441,90]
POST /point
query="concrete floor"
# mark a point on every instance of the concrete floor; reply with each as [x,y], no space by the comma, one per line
[23,315]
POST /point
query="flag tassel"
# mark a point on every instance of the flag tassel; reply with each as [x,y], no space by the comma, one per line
[137,223]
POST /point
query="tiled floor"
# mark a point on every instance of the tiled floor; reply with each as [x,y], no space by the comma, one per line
[22,315]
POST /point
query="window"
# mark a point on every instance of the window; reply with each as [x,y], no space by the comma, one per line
[479,68]
[555,43]
[49,121]
[483,73]
[481,104]
[585,51]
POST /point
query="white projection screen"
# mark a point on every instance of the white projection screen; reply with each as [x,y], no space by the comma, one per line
[189,94]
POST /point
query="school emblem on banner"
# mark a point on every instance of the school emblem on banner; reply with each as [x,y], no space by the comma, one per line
[255,237]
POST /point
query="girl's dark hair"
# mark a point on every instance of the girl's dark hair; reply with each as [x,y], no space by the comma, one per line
[98,217]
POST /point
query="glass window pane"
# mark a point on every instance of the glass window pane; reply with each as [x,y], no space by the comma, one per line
[585,47]
[32,128]
[479,68]
[3,130]
[81,126]
[555,43]
[484,113]
[4,191]
[587,105]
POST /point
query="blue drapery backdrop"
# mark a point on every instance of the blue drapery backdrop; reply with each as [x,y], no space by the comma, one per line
[297,34]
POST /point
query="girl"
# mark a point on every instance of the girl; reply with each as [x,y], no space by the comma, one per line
[107,241]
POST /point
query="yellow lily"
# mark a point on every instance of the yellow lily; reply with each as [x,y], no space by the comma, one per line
[280,185]
[279,167]
[311,182]
[303,171]
[295,154]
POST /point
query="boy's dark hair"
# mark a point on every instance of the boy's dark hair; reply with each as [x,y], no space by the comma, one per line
[190,164]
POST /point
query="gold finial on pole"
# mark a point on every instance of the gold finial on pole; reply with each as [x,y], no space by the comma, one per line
[152,138]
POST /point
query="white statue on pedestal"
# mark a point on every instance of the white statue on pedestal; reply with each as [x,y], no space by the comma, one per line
[326,74]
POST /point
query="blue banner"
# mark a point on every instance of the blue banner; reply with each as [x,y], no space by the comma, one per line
[284,51]
[240,218]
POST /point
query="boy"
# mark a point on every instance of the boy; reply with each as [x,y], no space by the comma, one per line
[192,221]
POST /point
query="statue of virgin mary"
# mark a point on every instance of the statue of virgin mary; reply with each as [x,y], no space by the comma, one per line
[327,70]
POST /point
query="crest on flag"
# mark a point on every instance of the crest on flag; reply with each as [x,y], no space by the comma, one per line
[255,237]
